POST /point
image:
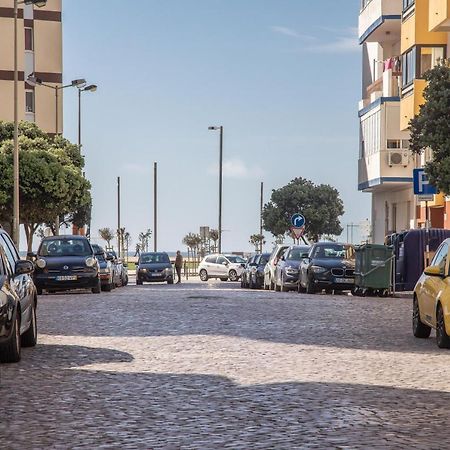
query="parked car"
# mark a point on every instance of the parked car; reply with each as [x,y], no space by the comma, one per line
[269,270]
[66,262]
[253,275]
[431,301]
[224,267]
[106,269]
[287,271]
[117,268]
[154,267]
[18,302]
[329,266]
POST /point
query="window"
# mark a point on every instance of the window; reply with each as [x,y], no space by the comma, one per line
[440,259]
[409,67]
[221,260]
[29,101]
[408,4]
[9,254]
[211,259]
[29,41]
[428,58]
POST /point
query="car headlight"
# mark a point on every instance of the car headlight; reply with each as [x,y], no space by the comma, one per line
[41,263]
[291,270]
[90,262]
[142,270]
[168,271]
[318,269]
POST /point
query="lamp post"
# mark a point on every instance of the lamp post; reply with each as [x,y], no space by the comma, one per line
[220,128]
[90,88]
[16,189]
[34,81]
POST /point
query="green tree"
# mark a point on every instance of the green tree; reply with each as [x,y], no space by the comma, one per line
[430,129]
[214,236]
[51,179]
[320,204]
[193,242]
[257,240]
[107,234]
[144,239]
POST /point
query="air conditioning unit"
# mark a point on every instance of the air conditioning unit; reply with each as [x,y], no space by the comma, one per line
[398,158]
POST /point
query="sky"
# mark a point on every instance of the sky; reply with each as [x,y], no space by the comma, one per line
[281,76]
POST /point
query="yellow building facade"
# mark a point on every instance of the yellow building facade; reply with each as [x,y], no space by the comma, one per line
[401,40]
[39,53]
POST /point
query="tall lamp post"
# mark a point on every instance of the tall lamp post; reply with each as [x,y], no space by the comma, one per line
[90,88]
[16,190]
[220,128]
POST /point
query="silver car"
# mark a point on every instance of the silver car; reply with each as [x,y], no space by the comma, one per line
[225,267]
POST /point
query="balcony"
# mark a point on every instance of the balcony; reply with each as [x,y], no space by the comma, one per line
[387,87]
[439,15]
[380,20]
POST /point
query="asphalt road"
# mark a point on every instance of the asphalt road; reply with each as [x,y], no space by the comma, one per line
[210,366]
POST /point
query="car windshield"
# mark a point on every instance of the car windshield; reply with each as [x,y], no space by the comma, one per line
[235,259]
[296,254]
[338,251]
[65,247]
[264,259]
[154,258]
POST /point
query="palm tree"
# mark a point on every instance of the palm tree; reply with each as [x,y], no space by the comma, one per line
[258,240]
[144,239]
[107,235]
[214,236]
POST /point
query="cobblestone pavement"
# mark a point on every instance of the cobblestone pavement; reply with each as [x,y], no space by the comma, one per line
[209,366]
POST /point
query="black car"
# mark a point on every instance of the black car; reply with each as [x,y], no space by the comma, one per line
[66,262]
[18,302]
[154,267]
[329,266]
[106,269]
[253,275]
[287,270]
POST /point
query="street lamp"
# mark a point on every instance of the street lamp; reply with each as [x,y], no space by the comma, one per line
[16,204]
[90,88]
[34,81]
[220,128]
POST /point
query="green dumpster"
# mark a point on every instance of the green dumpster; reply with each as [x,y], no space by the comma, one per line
[373,270]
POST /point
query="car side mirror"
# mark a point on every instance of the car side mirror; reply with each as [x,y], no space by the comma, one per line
[305,255]
[23,268]
[31,255]
[224,263]
[307,259]
[433,271]
[110,258]
[283,258]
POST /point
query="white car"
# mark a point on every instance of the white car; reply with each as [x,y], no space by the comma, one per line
[269,270]
[225,267]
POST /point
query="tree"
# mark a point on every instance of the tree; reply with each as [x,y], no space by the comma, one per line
[107,234]
[257,240]
[320,204]
[51,179]
[430,129]
[214,236]
[193,242]
[144,239]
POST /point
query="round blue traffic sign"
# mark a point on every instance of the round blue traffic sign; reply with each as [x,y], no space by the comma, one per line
[298,220]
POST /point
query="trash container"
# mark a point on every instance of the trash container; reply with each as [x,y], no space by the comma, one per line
[373,270]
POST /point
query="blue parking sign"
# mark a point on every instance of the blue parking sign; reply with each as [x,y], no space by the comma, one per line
[422,185]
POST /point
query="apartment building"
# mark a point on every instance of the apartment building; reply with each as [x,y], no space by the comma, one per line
[40,52]
[401,40]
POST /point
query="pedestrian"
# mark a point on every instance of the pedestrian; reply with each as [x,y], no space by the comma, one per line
[178,265]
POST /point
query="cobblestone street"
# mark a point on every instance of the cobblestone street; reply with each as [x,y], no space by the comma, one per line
[210,366]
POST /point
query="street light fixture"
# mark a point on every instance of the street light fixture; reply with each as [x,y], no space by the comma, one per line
[220,128]
[16,204]
[90,88]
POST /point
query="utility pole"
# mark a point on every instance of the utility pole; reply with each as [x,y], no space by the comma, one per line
[261,206]
[220,188]
[118,217]
[155,207]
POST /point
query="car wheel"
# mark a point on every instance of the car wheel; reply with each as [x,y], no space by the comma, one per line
[300,288]
[139,282]
[29,338]
[328,291]
[442,338]
[420,330]
[170,281]
[125,282]
[97,289]
[232,274]
[10,350]
[107,288]
[310,288]
[203,275]
[39,291]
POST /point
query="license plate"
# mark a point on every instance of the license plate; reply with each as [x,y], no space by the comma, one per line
[67,278]
[155,274]
[344,280]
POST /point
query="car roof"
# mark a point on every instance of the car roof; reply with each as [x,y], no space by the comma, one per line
[65,236]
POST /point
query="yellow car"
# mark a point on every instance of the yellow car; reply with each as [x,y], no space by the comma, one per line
[431,307]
